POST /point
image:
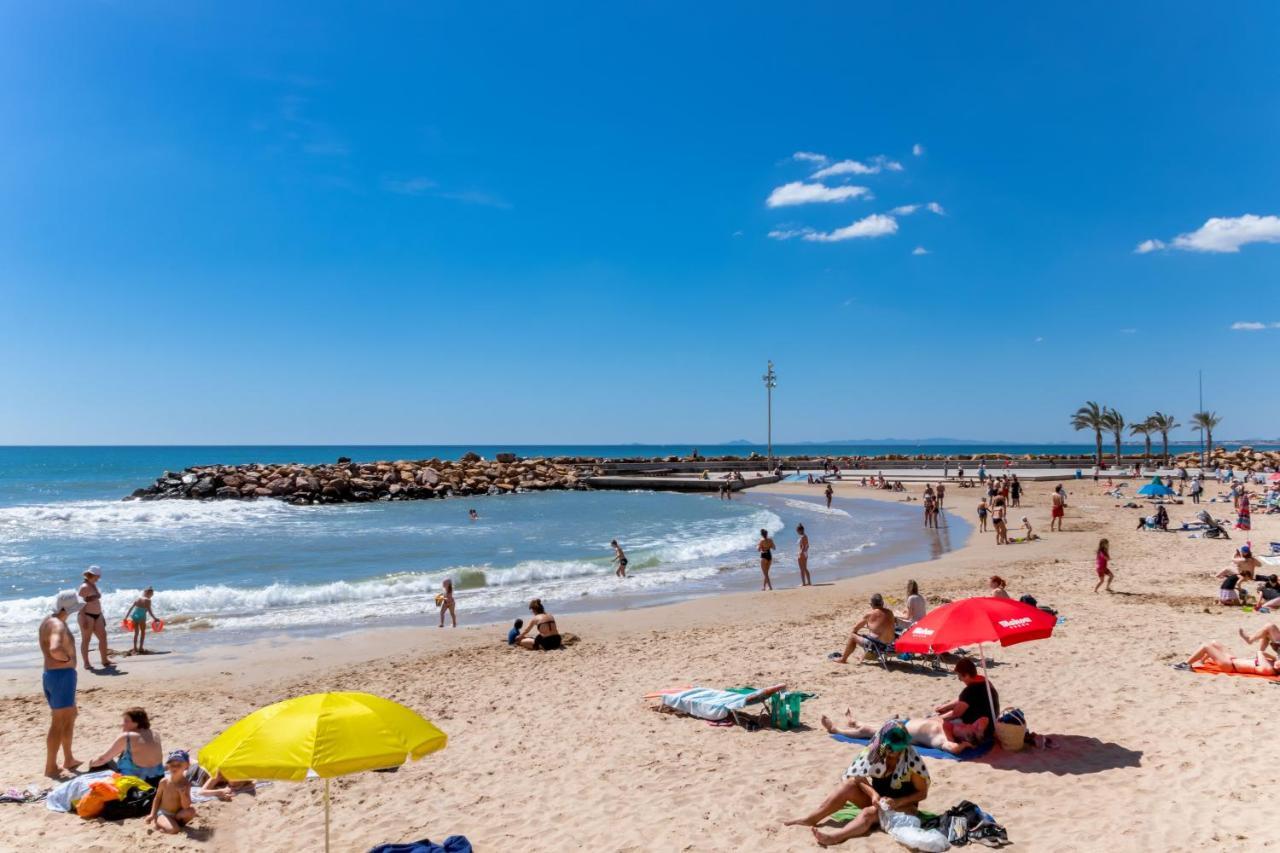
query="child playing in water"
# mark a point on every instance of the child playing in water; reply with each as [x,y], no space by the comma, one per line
[138,615]
[445,602]
[171,810]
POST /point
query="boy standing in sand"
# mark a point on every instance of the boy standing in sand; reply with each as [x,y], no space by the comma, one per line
[445,602]
[171,809]
[59,649]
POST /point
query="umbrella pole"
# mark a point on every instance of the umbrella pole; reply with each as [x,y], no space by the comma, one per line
[990,699]
[326,816]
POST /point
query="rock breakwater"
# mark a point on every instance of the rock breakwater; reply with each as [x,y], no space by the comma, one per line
[354,482]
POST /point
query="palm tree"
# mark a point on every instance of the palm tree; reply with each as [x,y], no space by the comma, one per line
[1206,422]
[1114,421]
[1090,416]
[1164,424]
[1144,429]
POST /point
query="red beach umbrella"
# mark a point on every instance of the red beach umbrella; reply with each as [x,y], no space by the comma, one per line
[977,620]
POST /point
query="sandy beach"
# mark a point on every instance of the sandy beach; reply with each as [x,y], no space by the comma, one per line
[559,751]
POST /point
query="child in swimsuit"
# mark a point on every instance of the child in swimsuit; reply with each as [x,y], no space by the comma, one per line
[445,602]
[171,810]
[138,614]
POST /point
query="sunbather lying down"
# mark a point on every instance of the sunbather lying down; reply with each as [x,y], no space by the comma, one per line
[1259,664]
[950,736]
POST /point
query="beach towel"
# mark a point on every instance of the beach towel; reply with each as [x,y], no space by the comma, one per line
[928,751]
[705,703]
[1211,668]
[452,844]
[60,799]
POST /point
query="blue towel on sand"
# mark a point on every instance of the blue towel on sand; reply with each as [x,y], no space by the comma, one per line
[929,752]
[452,844]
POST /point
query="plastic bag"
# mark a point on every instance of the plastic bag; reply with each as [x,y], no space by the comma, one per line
[906,830]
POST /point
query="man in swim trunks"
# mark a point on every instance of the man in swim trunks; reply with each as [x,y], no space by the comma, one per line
[1058,511]
[58,646]
[620,558]
[878,621]
[547,637]
[970,718]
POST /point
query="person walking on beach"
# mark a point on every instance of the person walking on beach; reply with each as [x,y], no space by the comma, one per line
[58,646]
[982,515]
[1197,487]
[1102,565]
[829,492]
[941,492]
[802,555]
[765,546]
[93,623]
[1015,491]
[1000,522]
[446,603]
[1058,510]
[620,558]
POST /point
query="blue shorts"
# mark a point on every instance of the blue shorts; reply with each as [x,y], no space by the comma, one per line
[60,688]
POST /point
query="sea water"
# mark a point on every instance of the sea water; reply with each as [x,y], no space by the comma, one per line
[230,570]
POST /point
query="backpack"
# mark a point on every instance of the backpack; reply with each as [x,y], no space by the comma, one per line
[135,803]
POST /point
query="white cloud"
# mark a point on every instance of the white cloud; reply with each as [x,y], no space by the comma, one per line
[875,225]
[917,150]
[919,250]
[1251,326]
[409,186]
[789,232]
[878,164]
[908,209]
[1222,234]
[799,192]
[810,157]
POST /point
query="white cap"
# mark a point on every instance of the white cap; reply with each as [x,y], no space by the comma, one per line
[66,600]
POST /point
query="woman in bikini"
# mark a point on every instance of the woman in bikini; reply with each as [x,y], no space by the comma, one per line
[92,621]
[1259,664]
[137,752]
[547,637]
[765,546]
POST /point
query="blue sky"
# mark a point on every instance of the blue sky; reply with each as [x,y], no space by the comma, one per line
[515,222]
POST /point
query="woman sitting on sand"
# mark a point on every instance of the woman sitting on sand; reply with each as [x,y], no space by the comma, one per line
[888,773]
[998,585]
[951,736]
[547,637]
[1259,664]
[137,752]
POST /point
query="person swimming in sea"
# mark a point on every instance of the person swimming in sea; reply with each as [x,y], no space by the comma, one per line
[620,558]
[473,515]
[138,614]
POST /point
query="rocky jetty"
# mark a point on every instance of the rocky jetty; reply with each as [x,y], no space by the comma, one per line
[353,482]
[1241,459]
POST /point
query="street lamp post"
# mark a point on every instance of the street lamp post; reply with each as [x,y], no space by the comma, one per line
[770,382]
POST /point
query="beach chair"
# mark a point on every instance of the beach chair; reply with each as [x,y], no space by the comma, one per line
[884,653]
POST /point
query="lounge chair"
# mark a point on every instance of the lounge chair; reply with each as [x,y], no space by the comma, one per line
[883,653]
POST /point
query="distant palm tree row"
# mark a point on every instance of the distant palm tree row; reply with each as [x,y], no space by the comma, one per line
[1102,419]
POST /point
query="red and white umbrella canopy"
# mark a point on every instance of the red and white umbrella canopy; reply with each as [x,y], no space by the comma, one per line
[976,620]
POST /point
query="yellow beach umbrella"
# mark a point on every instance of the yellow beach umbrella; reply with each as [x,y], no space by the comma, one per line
[324,735]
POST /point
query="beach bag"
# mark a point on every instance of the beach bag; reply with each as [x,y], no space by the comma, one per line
[1011,730]
[135,803]
[784,709]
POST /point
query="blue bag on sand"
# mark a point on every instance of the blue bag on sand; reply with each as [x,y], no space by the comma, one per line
[452,844]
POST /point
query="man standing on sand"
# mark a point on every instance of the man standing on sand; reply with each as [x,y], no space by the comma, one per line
[802,556]
[879,621]
[59,649]
[1059,509]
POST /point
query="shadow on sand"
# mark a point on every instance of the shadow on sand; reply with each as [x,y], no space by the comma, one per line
[1072,755]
